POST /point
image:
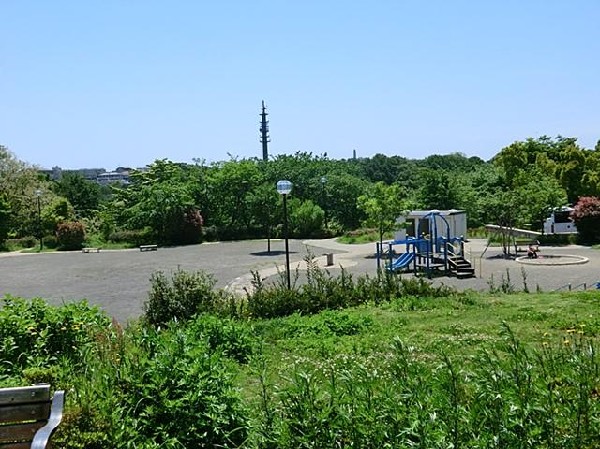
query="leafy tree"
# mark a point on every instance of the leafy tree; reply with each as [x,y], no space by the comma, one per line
[538,193]
[504,209]
[4,220]
[18,184]
[438,191]
[231,183]
[342,192]
[83,195]
[57,211]
[262,204]
[161,199]
[383,205]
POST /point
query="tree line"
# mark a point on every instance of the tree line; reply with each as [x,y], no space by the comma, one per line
[180,203]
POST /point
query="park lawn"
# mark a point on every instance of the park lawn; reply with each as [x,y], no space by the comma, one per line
[457,327]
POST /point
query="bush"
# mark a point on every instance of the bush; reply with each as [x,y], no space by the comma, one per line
[24,242]
[181,297]
[191,231]
[50,241]
[307,220]
[132,237]
[70,235]
[322,291]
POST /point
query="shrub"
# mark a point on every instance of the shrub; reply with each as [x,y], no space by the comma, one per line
[177,393]
[191,231]
[132,237]
[24,242]
[35,334]
[181,297]
[322,291]
[70,235]
[210,233]
[307,220]
[50,241]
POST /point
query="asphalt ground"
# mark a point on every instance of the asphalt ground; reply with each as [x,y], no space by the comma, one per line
[119,281]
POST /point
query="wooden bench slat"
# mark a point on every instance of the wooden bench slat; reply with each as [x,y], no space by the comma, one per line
[24,412]
[19,432]
[15,446]
[18,395]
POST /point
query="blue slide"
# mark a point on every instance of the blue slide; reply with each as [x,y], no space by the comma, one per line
[403,261]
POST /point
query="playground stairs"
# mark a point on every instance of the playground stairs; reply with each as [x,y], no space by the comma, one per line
[461,267]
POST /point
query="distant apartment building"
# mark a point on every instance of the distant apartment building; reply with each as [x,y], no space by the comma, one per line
[99,175]
[113,176]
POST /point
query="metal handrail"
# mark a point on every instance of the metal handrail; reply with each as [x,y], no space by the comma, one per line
[570,286]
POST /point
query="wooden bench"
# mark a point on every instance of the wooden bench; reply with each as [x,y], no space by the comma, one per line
[90,250]
[148,247]
[28,416]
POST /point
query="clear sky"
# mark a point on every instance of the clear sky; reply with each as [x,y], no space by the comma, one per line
[124,82]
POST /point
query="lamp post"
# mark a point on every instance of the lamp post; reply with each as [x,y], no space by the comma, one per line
[38,194]
[324,194]
[284,188]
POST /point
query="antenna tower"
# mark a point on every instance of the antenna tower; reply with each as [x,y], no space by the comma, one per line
[264,132]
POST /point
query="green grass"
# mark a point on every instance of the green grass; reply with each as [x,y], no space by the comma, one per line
[456,326]
[363,236]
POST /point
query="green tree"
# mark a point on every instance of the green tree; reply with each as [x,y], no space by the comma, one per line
[83,195]
[437,191]
[4,220]
[231,184]
[538,193]
[263,205]
[57,211]
[18,185]
[161,199]
[383,204]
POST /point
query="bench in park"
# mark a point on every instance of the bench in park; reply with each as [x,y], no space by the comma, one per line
[29,416]
[148,247]
[522,245]
[90,250]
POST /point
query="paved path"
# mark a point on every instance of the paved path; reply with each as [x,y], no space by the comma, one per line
[118,281]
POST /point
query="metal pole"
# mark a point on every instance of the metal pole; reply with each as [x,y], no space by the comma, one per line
[287,248]
[39,223]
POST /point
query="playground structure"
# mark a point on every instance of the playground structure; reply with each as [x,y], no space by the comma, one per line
[437,249]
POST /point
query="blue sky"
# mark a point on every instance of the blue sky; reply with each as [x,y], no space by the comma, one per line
[110,83]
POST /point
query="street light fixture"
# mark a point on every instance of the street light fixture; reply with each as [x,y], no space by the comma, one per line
[284,188]
[38,194]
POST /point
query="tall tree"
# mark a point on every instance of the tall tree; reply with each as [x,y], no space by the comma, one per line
[383,205]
